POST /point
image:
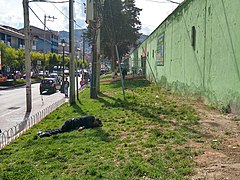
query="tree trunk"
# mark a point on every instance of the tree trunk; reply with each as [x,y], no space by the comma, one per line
[113,68]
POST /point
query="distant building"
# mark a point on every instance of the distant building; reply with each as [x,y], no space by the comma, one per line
[51,40]
[11,37]
[14,38]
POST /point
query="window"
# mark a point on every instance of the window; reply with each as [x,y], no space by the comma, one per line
[194,37]
[160,50]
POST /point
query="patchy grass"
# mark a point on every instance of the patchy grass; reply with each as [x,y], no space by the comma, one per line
[140,139]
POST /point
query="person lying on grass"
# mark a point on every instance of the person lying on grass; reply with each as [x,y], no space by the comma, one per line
[78,123]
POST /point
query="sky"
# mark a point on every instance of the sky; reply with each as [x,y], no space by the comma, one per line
[152,14]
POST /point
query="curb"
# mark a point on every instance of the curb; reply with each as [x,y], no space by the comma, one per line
[11,87]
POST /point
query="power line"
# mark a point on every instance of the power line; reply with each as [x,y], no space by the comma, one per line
[40,8]
[166,1]
[46,13]
[78,2]
[78,25]
[157,1]
[46,1]
[66,16]
[38,17]
[61,12]
[173,2]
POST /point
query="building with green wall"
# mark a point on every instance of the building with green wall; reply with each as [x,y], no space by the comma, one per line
[196,50]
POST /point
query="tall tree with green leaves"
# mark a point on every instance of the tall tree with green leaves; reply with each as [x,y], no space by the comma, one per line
[120,26]
[10,58]
[21,58]
[53,61]
[35,57]
[132,13]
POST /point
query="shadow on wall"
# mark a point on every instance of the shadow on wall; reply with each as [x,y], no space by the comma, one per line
[209,97]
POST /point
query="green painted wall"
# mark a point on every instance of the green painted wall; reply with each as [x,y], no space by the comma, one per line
[211,68]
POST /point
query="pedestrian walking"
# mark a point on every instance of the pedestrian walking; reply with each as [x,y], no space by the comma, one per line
[66,86]
[124,73]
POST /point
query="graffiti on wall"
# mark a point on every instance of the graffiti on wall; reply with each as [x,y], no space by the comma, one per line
[160,50]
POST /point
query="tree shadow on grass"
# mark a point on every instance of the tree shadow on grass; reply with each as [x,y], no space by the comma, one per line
[79,110]
[102,135]
[130,83]
[117,102]
[164,114]
[147,111]
[97,132]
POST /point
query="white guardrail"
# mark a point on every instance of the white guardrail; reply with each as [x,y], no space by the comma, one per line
[11,134]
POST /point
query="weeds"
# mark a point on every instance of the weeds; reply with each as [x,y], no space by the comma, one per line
[140,139]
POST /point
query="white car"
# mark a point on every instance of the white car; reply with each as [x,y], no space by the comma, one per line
[55,76]
[40,73]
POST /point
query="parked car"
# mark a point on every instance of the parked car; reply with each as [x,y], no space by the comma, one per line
[2,78]
[48,86]
[55,76]
[66,71]
[11,76]
[41,73]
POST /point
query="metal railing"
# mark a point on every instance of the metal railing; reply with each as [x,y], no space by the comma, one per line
[11,134]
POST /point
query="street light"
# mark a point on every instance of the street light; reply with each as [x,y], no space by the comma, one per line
[63,44]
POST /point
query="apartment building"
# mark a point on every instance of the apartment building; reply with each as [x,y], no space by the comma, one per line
[12,37]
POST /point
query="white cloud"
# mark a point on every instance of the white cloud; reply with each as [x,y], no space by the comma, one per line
[154,13]
[12,14]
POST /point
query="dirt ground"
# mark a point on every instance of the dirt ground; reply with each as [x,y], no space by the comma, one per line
[219,148]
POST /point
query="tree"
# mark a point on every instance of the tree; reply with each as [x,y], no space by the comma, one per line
[132,13]
[21,58]
[14,59]
[35,57]
[120,26]
[10,58]
[53,61]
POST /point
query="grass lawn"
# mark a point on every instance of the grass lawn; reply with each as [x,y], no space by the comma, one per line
[142,138]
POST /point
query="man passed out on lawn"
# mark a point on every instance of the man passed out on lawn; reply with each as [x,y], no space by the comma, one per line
[78,123]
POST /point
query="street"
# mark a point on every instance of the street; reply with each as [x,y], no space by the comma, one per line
[13,104]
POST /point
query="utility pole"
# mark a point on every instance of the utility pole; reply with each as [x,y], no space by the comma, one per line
[83,48]
[93,88]
[94,22]
[71,50]
[77,57]
[44,38]
[98,60]
[27,56]
[44,46]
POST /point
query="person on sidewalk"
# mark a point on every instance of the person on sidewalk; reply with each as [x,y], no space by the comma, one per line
[82,82]
[66,86]
[124,72]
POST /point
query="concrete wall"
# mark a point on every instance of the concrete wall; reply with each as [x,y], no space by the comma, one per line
[210,67]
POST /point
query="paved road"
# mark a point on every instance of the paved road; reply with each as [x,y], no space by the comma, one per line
[13,104]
